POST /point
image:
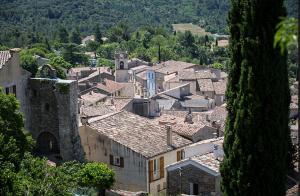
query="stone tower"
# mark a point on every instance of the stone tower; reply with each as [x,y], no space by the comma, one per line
[121,65]
[53,117]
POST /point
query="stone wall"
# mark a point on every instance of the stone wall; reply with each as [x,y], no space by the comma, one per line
[53,113]
[190,174]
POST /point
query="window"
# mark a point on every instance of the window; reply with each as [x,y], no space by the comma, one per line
[155,166]
[15,90]
[156,169]
[116,161]
[7,90]
[180,155]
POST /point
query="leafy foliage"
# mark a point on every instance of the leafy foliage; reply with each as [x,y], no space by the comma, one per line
[286,34]
[97,175]
[23,22]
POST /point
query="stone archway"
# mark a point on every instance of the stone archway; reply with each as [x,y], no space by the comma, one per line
[47,143]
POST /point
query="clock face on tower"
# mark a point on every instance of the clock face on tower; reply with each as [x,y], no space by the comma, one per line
[121,56]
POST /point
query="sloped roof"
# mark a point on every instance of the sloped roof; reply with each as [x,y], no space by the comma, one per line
[110,86]
[187,75]
[137,133]
[4,57]
[205,85]
[220,87]
[171,66]
[195,103]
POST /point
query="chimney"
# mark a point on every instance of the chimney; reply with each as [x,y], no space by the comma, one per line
[215,151]
[207,118]
[169,135]
[76,75]
[217,126]
[84,120]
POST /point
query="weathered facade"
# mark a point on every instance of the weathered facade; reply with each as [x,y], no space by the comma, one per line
[137,150]
[14,79]
[53,117]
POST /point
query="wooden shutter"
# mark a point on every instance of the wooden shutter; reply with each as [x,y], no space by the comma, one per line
[150,170]
[111,159]
[161,167]
[121,162]
[178,155]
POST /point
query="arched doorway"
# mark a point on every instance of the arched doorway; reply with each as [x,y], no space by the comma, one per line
[121,65]
[47,143]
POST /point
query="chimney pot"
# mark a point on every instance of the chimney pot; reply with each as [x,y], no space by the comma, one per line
[169,135]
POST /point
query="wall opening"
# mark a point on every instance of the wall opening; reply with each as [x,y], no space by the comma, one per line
[47,143]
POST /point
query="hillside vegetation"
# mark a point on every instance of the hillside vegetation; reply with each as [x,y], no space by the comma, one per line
[19,18]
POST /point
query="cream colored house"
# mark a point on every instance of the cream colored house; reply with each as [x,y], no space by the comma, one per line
[14,79]
[135,148]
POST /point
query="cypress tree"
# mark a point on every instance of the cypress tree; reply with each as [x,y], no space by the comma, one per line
[257,135]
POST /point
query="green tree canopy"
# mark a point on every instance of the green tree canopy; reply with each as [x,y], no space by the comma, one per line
[257,136]
[97,175]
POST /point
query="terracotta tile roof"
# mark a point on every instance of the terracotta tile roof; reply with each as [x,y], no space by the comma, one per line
[92,97]
[187,75]
[205,85]
[293,191]
[208,160]
[204,74]
[198,117]
[118,103]
[4,56]
[95,72]
[110,86]
[171,66]
[97,110]
[219,114]
[220,87]
[179,126]
[137,133]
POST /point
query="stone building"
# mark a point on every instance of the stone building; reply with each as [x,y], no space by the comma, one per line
[13,79]
[136,149]
[121,65]
[53,117]
[197,175]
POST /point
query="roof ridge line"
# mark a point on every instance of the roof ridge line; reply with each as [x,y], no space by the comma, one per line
[103,116]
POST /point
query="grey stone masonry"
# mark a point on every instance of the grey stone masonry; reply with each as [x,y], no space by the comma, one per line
[53,112]
[177,184]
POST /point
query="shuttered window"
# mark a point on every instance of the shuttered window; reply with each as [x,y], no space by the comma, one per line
[156,169]
[161,167]
[180,155]
[151,171]
[116,161]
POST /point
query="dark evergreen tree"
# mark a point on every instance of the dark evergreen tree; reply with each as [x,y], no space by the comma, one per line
[159,53]
[63,35]
[75,37]
[98,35]
[257,135]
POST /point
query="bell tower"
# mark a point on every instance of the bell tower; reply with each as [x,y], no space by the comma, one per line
[121,65]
